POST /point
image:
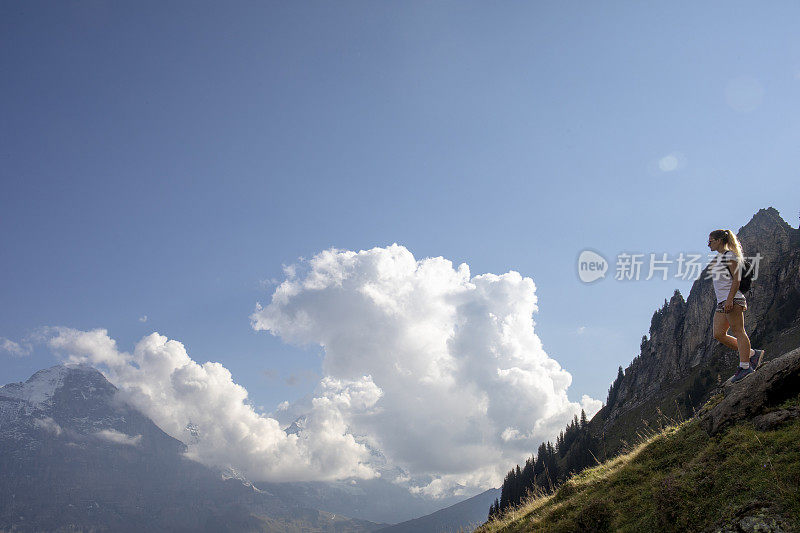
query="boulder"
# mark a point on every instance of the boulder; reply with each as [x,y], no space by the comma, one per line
[772,384]
[756,521]
[774,419]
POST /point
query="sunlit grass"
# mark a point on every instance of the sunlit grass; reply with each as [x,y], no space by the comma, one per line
[676,479]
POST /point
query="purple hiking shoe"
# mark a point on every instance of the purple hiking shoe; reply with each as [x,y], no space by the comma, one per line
[757,359]
[741,373]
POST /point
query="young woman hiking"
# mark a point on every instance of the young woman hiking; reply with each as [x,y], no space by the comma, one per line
[731,303]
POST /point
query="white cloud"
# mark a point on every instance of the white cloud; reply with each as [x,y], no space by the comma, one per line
[590,405]
[14,348]
[48,424]
[672,162]
[581,330]
[267,284]
[117,437]
[668,163]
[143,318]
[160,379]
[429,373]
[453,385]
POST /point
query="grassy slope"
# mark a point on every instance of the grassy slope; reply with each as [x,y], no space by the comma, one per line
[653,412]
[676,480]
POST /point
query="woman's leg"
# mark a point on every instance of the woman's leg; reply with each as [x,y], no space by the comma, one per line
[736,319]
[721,326]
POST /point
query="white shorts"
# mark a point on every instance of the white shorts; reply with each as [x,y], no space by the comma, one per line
[738,300]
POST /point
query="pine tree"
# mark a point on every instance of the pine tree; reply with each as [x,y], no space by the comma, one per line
[613,391]
[574,450]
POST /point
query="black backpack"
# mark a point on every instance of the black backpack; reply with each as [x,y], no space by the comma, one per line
[746,268]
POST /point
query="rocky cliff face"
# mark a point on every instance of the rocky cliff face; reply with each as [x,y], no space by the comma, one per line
[681,349]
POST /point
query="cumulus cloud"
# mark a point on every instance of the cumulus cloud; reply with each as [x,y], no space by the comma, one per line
[430,374]
[444,373]
[118,437]
[14,348]
[143,318]
[201,405]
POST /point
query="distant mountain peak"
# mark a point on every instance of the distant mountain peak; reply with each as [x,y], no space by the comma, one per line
[765,222]
[74,456]
[769,213]
[41,386]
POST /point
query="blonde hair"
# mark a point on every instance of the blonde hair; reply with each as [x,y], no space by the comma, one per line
[729,241]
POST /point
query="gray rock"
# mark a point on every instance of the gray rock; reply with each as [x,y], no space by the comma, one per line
[773,383]
[760,521]
[774,419]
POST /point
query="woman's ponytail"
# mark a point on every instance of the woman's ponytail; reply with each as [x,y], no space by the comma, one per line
[733,244]
[729,241]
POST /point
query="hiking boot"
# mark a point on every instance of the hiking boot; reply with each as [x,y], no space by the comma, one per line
[757,359]
[741,373]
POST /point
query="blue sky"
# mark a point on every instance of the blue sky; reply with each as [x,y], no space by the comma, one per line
[166,160]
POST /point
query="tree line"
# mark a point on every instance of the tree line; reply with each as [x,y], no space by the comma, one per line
[575,449]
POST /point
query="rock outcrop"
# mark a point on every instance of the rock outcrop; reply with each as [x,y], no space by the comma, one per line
[773,383]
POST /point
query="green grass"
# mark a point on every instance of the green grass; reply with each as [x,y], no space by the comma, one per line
[678,479]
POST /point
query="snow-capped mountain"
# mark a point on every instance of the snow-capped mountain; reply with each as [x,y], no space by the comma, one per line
[39,389]
[77,404]
[73,457]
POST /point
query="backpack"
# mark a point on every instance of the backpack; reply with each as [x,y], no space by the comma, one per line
[746,269]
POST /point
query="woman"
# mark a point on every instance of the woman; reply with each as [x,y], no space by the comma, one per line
[731,303]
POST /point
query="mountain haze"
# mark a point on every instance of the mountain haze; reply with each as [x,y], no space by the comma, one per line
[463,516]
[73,457]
